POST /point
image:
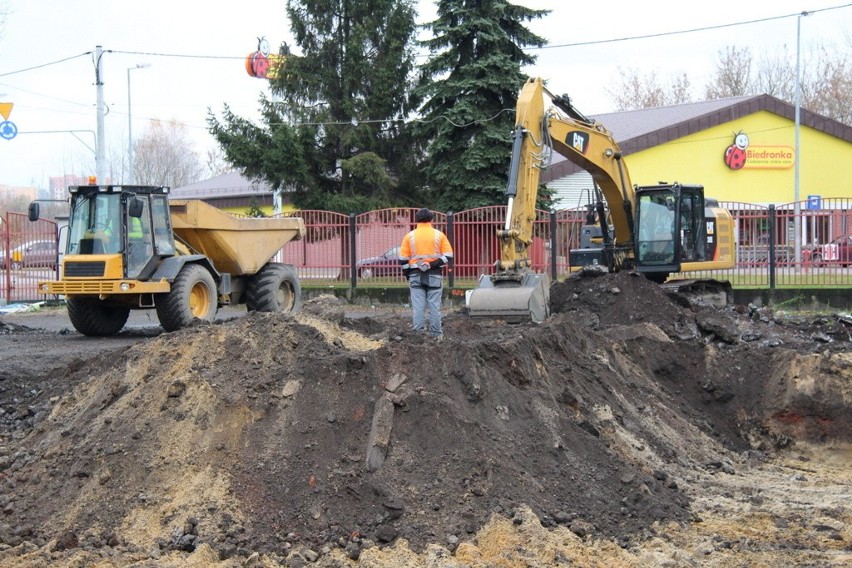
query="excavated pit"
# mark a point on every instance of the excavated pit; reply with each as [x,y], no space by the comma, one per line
[598,436]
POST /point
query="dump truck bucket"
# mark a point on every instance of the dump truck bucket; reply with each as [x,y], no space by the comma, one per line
[238,245]
[515,301]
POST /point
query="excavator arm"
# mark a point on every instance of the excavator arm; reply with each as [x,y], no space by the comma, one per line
[591,146]
[583,142]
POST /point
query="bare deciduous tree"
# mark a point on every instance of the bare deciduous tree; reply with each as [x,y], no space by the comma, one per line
[825,81]
[164,155]
[679,90]
[217,163]
[642,90]
[776,76]
[832,87]
[733,75]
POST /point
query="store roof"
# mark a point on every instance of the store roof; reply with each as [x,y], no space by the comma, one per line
[231,184]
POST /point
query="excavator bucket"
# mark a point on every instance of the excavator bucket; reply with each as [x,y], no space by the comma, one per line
[514,301]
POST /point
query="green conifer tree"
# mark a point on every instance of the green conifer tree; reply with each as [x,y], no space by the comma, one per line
[470,87]
[334,132]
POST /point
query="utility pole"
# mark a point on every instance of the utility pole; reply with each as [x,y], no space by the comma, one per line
[100,160]
[797,207]
[130,179]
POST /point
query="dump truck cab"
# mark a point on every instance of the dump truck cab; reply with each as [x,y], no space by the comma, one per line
[118,232]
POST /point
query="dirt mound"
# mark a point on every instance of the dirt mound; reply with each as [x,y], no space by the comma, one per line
[322,437]
[623,298]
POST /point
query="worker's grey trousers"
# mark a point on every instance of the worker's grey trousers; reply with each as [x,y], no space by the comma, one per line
[425,292]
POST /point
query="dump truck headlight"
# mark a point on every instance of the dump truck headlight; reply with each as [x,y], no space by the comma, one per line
[43,287]
[124,287]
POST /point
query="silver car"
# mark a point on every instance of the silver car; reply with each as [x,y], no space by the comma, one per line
[32,254]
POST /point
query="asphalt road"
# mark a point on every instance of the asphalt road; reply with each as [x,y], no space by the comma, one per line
[55,318]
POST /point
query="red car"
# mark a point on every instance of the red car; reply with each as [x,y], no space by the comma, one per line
[838,251]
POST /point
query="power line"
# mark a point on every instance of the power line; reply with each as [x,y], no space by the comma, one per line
[45,96]
[356,122]
[45,64]
[691,30]
[552,46]
[180,55]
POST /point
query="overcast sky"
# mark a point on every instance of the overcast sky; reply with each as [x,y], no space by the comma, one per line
[195,50]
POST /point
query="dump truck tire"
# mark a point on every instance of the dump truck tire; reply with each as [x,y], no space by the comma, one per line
[275,288]
[192,298]
[95,319]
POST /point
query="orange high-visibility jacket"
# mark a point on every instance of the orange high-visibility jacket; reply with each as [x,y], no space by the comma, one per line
[425,243]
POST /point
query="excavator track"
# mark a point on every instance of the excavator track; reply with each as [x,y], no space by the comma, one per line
[702,292]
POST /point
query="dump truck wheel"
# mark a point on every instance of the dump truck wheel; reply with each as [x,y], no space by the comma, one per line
[275,288]
[192,297]
[94,318]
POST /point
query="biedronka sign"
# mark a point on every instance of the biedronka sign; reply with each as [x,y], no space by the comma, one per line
[742,156]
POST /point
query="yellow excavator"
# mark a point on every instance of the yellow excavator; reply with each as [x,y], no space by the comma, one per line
[656,230]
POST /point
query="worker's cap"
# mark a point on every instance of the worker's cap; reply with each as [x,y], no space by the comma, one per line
[423,215]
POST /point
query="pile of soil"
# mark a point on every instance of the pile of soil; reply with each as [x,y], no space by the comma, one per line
[326,439]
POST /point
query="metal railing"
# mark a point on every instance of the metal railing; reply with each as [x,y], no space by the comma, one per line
[23,260]
[337,248]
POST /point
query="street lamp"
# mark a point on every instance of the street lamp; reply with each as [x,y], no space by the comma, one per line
[130,122]
[797,208]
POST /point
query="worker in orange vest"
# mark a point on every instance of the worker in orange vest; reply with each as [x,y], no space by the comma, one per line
[422,254]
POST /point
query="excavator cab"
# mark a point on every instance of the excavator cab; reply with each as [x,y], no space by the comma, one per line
[113,234]
[671,229]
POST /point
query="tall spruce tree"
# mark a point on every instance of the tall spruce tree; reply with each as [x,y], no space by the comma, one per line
[338,108]
[470,84]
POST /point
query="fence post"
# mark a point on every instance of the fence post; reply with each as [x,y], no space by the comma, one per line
[771,246]
[451,235]
[553,274]
[353,270]
[5,246]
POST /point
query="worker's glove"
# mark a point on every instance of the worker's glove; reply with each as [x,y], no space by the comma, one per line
[423,265]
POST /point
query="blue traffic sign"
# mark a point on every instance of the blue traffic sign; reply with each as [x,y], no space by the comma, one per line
[8,130]
[814,202]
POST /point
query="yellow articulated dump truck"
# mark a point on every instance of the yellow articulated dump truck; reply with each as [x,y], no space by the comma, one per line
[129,247]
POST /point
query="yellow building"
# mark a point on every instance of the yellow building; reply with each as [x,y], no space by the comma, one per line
[741,149]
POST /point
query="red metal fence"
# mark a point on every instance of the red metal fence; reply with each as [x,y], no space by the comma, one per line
[29,252]
[357,250]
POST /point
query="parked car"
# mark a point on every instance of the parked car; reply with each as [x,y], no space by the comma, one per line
[384,265]
[838,251]
[33,254]
[756,253]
